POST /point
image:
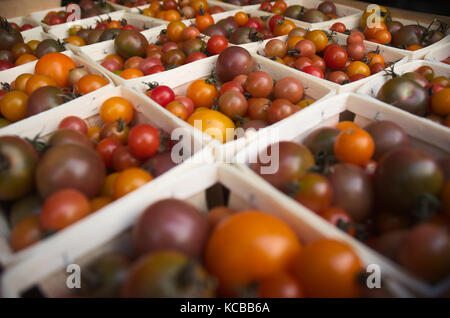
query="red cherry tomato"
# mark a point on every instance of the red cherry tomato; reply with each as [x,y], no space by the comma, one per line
[313,70]
[163,95]
[106,149]
[74,123]
[143,141]
[217,44]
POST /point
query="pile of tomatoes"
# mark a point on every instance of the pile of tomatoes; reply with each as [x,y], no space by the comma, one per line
[237,96]
[243,28]
[56,79]
[409,37]
[104,30]
[224,253]
[420,93]
[311,52]
[325,11]
[49,186]
[177,45]
[21,28]
[372,184]
[171,10]
[89,8]
[14,52]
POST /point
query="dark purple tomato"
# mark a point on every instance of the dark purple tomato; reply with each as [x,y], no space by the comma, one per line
[84,34]
[425,252]
[109,34]
[314,16]
[387,136]
[167,274]
[130,43]
[69,136]
[94,36]
[426,71]
[18,161]
[70,166]
[123,159]
[322,140]
[170,224]
[294,11]
[387,221]
[283,162]
[28,205]
[406,36]
[233,61]
[327,7]
[352,190]
[405,94]
[6,55]
[229,24]
[159,163]
[193,45]
[406,175]
[393,26]
[255,124]
[48,46]
[216,29]
[416,77]
[9,36]
[174,58]
[43,99]
[244,35]
[389,243]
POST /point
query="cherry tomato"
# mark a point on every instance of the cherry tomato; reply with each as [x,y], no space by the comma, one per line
[313,70]
[202,92]
[241,18]
[129,180]
[338,27]
[280,285]
[37,81]
[25,233]
[116,108]
[13,105]
[106,148]
[57,66]
[216,44]
[314,192]
[108,185]
[143,141]
[440,102]
[63,208]
[319,38]
[213,123]
[354,146]
[357,67]
[162,95]
[75,123]
[90,83]
[339,218]
[335,57]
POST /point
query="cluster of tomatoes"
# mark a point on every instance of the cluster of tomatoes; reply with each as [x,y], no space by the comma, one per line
[324,12]
[246,98]
[56,79]
[14,52]
[221,254]
[372,184]
[21,28]
[78,170]
[310,52]
[177,45]
[171,10]
[89,8]
[131,3]
[242,28]
[419,92]
[104,30]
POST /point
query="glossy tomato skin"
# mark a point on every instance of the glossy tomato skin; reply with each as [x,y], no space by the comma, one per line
[143,140]
[106,148]
[162,95]
[336,57]
[130,43]
[85,171]
[233,61]
[387,136]
[293,162]
[280,285]
[167,274]
[44,98]
[315,192]
[75,123]
[26,232]
[62,209]
[170,224]
[404,175]
[159,163]
[237,253]
[67,136]
[328,268]
[280,109]
[123,159]
[322,140]
[352,189]
[18,160]
[405,94]
[289,88]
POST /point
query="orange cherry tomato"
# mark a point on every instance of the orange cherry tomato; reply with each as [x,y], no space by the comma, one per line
[199,5]
[114,24]
[346,124]
[116,108]
[175,31]
[354,146]
[373,58]
[25,58]
[37,81]
[241,18]
[57,66]
[94,133]
[98,203]
[129,180]
[172,15]
[213,123]
[108,185]
[204,21]
[280,285]
[358,67]
[277,11]
[178,109]
[20,83]
[328,268]
[25,233]
[75,40]
[293,40]
[202,93]
[131,73]
[283,28]
[33,44]
[280,4]
[241,250]
[440,102]
[319,38]
[90,83]
[414,47]
[383,36]
[13,105]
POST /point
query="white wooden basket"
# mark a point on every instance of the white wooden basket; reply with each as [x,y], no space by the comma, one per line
[388,54]
[422,135]
[40,15]
[225,6]
[371,88]
[347,15]
[439,54]
[61,31]
[203,68]
[83,242]
[10,75]
[87,107]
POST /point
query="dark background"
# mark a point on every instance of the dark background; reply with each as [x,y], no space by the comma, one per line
[441,7]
